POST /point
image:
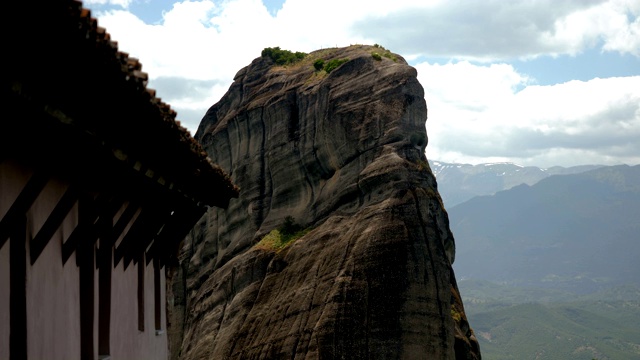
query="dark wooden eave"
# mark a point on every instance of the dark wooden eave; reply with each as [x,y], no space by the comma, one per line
[77,109]
[61,63]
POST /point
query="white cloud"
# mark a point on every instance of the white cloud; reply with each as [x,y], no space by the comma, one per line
[308,26]
[189,43]
[197,41]
[121,3]
[615,23]
[484,86]
[498,30]
[625,38]
[476,114]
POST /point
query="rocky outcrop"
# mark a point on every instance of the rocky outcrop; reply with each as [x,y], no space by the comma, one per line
[342,154]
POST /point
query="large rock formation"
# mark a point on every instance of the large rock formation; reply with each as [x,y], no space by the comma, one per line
[342,154]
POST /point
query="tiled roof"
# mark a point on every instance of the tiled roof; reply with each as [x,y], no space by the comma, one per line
[57,53]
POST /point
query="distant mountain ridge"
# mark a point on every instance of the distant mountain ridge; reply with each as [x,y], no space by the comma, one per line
[577,232]
[458,183]
[548,270]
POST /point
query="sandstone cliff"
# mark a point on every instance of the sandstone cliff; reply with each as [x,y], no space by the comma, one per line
[342,154]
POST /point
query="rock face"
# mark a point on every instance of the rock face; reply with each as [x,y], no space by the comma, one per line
[342,153]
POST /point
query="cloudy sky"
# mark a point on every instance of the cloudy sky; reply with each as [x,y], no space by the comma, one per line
[538,82]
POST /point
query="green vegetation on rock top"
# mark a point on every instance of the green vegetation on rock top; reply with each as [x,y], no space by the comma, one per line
[287,57]
[386,53]
[282,57]
[332,64]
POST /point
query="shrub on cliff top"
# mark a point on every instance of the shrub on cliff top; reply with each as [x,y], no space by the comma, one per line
[318,64]
[332,64]
[282,57]
[389,55]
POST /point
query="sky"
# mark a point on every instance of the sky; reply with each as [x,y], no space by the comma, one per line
[533,82]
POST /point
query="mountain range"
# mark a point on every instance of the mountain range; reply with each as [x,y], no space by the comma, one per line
[547,267]
[577,231]
[461,182]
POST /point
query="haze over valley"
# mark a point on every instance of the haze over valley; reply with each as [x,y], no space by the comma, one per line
[551,261]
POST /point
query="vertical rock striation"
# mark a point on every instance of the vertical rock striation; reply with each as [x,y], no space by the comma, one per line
[343,155]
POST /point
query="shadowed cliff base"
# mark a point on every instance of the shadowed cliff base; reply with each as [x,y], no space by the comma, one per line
[339,153]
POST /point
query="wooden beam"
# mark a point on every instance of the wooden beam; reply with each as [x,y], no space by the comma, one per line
[148,237]
[157,295]
[18,292]
[22,204]
[174,231]
[147,226]
[105,269]
[124,219]
[141,292]
[85,230]
[135,233]
[91,212]
[85,260]
[51,225]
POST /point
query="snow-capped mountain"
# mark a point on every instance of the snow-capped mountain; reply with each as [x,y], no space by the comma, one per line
[458,183]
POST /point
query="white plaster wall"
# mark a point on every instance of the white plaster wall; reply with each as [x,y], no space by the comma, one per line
[53,294]
[96,302]
[4,301]
[13,178]
[127,342]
